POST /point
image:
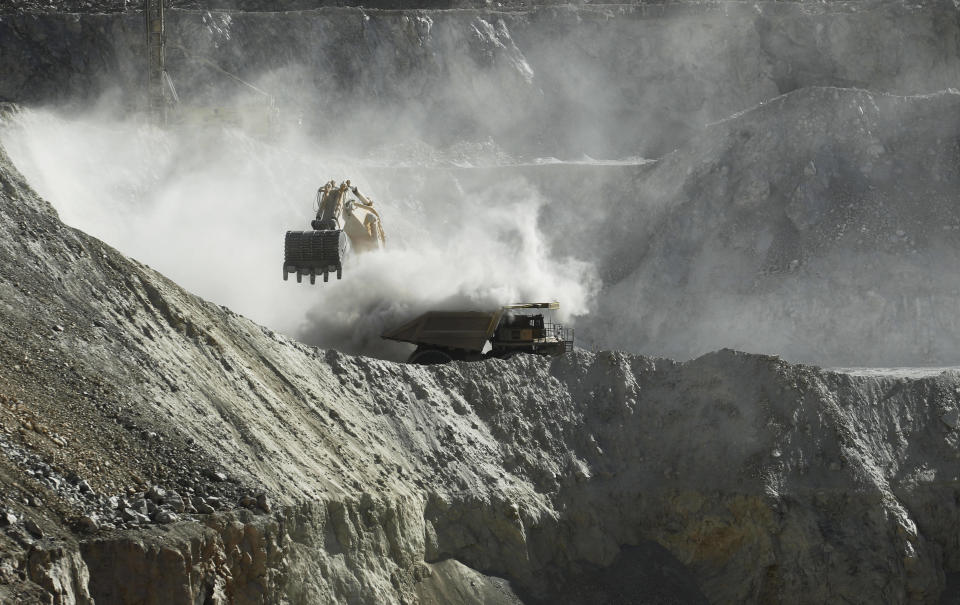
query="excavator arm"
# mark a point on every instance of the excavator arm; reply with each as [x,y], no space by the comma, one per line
[342,223]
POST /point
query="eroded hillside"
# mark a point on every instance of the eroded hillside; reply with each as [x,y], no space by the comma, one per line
[132,409]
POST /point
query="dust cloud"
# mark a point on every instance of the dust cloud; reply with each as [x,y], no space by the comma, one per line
[799,225]
[209,206]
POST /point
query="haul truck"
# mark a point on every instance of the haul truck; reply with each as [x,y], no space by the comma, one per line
[443,336]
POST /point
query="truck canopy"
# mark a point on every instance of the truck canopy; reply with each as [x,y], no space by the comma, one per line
[543,305]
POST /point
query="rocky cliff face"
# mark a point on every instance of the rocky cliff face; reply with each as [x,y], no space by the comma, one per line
[606,81]
[150,434]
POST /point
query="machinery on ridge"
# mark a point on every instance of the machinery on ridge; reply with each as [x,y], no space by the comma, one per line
[443,336]
[343,222]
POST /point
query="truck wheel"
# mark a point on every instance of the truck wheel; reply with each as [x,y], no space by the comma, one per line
[429,357]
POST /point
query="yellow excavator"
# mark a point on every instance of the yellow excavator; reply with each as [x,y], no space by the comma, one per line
[346,220]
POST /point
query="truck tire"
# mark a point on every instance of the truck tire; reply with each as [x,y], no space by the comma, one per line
[429,357]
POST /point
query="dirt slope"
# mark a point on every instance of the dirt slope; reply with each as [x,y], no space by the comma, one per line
[132,409]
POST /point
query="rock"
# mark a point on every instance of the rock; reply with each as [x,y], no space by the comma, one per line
[61,572]
[7,518]
[165,516]
[33,528]
[175,502]
[89,523]
[142,506]
[263,503]
[248,501]
[203,508]
[213,501]
[84,487]
[156,494]
[130,515]
[951,419]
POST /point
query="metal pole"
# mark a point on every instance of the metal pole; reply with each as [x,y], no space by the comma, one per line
[156,42]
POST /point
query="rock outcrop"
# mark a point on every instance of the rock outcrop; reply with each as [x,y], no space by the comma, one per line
[729,478]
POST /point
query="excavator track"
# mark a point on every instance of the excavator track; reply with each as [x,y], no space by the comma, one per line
[314,253]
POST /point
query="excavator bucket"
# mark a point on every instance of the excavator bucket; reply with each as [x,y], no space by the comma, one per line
[314,253]
[345,220]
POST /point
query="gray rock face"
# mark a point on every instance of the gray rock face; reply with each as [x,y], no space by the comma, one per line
[729,478]
[647,76]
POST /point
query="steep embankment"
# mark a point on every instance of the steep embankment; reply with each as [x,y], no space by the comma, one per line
[595,476]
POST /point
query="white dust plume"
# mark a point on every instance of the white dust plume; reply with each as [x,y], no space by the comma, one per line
[209,208]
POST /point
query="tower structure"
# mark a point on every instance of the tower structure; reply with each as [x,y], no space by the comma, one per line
[156,68]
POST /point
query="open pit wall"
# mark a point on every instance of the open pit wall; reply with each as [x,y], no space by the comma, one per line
[752,479]
[607,81]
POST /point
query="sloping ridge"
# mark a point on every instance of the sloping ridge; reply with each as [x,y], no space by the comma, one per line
[596,477]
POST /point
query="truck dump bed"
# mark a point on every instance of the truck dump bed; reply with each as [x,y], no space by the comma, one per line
[467,330]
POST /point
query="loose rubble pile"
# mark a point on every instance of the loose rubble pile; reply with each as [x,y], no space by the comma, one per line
[202,495]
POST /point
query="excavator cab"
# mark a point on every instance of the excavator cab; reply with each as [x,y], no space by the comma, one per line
[343,222]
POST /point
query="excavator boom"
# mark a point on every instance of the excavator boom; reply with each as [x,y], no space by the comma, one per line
[343,222]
